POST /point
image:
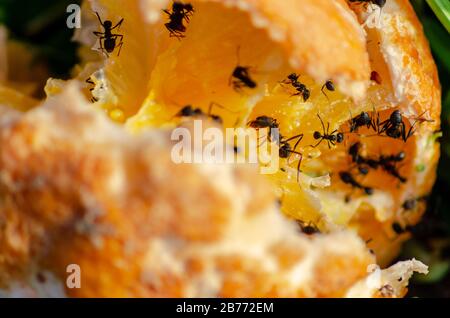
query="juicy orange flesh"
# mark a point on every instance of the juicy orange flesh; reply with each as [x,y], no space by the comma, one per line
[156,75]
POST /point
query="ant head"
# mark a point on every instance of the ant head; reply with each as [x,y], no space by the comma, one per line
[345,176]
[401,156]
[409,204]
[107,24]
[380,3]
[187,111]
[339,138]
[293,77]
[177,6]
[310,229]
[330,86]
[284,150]
[317,135]
[189,7]
[217,119]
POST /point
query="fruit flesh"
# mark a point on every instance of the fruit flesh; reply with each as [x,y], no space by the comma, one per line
[156,75]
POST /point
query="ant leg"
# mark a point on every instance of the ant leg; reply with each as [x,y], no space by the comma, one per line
[176,34]
[385,125]
[332,142]
[120,36]
[300,137]
[120,48]
[212,104]
[329,143]
[118,24]
[298,164]
[238,53]
[323,126]
[375,123]
[262,143]
[102,48]
[411,131]
[298,167]
[99,33]
[298,141]
[316,145]
[266,138]
[323,91]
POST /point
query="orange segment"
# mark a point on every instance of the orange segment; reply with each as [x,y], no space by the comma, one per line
[156,75]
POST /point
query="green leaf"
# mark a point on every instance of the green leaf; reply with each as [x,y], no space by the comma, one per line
[439,41]
[442,10]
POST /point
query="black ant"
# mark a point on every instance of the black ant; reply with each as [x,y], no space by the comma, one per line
[394,127]
[301,88]
[189,111]
[393,171]
[387,163]
[379,3]
[411,204]
[184,8]
[286,151]
[308,229]
[262,122]
[398,229]
[329,85]
[331,138]
[363,119]
[180,12]
[348,178]
[240,77]
[107,38]
[354,152]
[89,81]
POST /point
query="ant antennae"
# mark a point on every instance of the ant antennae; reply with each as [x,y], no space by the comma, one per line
[98,16]
[238,52]
[212,104]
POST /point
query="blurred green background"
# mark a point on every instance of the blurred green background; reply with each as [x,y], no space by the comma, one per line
[41,25]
